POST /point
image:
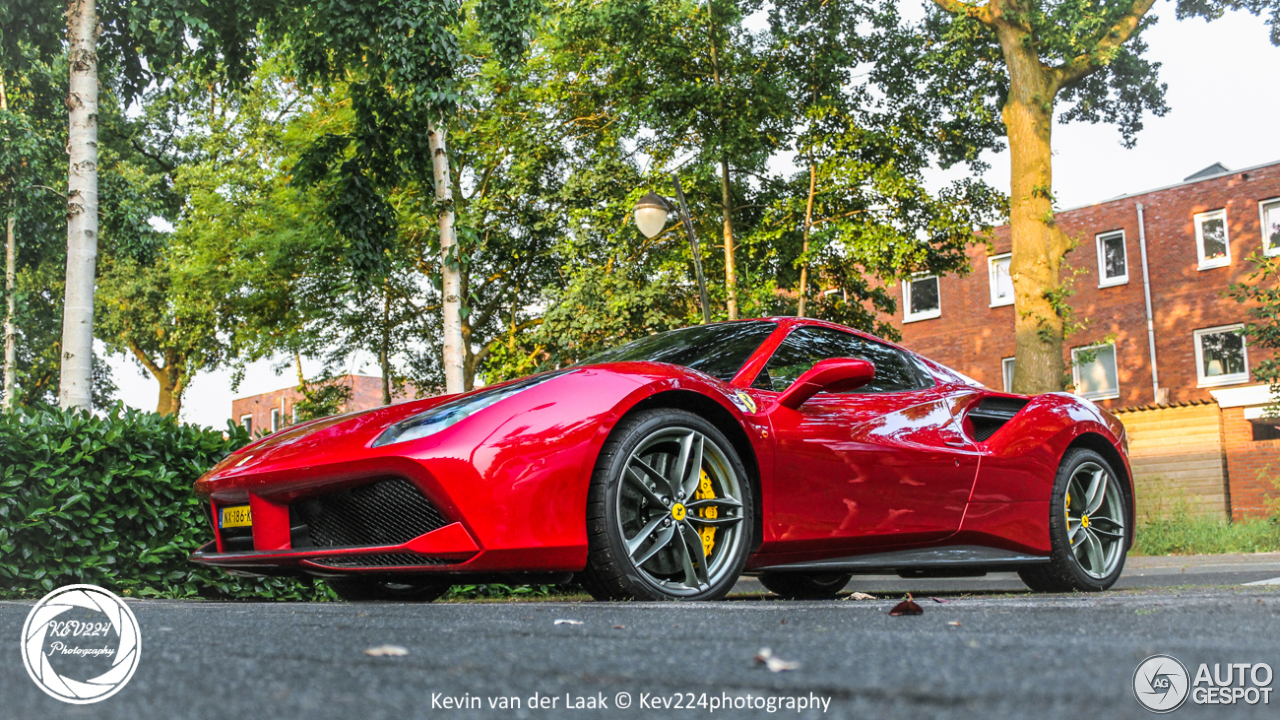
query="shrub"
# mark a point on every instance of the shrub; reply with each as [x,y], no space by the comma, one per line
[107,500]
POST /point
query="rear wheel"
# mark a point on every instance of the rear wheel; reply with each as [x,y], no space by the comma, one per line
[1087,528]
[805,586]
[360,589]
[668,512]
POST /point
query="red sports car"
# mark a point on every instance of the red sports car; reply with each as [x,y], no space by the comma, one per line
[793,449]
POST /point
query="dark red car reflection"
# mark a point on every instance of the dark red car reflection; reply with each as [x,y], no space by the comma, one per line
[797,450]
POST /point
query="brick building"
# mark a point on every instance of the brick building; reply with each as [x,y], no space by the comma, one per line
[1163,256]
[271,411]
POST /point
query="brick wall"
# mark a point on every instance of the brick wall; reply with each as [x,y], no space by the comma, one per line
[1254,466]
[973,337]
[366,394]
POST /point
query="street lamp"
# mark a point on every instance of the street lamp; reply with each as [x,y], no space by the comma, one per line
[651,217]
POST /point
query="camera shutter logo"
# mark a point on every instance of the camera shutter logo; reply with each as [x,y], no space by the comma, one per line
[1161,683]
[46,640]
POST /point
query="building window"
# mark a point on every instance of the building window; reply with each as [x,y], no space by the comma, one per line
[1000,279]
[1270,210]
[1212,242]
[1094,371]
[246,422]
[1221,358]
[1113,261]
[1265,431]
[295,415]
[920,299]
[275,419]
[1006,369]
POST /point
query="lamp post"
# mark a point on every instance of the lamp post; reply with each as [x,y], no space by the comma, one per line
[651,217]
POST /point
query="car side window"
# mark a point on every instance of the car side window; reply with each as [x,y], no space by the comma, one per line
[896,371]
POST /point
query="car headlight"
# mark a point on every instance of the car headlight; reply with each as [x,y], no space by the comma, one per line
[443,416]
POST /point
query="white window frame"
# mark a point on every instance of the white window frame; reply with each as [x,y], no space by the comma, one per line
[1219,380]
[246,422]
[294,410]
[1075,372]
[277,418]
[907,316]
[1205,264]
[1262,224]
[991,279]
[1006,373]
[1103,280]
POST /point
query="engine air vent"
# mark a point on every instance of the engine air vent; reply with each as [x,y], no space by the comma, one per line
[389,560]
[991,414]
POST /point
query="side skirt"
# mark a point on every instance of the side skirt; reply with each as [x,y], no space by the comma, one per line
[962,559]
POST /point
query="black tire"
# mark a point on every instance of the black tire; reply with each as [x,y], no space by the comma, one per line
[610,573]
[1064,572]
[805,586]
[362,589]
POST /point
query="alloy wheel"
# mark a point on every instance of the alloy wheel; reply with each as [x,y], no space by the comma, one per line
[1095,520]
[679,511]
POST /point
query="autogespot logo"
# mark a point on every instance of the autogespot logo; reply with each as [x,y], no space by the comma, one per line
[81,644]
[1160,683]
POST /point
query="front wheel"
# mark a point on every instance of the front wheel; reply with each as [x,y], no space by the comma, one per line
[1087,528]
[669,512]
[805,586]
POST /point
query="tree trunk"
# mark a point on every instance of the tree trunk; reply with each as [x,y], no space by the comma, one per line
[11,302]
[170,401]
[384,351]
[1038,244]
[804,247]
[450,271]
[730,267]
[75,389]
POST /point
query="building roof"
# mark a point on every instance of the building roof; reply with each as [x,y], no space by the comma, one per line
[1197,177]
[1213,170]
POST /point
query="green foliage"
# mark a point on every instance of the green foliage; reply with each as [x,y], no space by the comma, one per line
[1183,534]
[107,500]
[322,398]
[1260,293]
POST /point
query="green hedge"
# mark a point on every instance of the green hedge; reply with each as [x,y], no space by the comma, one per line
[108,501]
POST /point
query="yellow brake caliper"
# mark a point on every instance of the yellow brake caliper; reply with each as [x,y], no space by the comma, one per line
[708,532]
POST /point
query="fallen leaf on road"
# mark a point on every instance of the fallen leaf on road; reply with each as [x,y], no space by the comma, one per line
[860,596]
[940,600]
[774,663]
[907,607]
[568,622]
[619,627]
[386,651]
[953,623]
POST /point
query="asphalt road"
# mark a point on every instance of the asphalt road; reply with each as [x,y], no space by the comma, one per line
[1011,655]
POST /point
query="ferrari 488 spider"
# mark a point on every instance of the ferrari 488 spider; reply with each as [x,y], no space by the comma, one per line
[796,450]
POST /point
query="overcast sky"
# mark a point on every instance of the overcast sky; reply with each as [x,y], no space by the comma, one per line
[1223,108]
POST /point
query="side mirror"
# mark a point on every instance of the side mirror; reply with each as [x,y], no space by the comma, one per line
[832,375]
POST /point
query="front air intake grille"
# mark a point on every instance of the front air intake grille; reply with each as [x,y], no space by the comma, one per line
[386,512]
[391,560]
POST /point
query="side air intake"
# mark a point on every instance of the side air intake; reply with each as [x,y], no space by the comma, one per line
[991,414]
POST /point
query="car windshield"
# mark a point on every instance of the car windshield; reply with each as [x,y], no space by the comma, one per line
[718,350]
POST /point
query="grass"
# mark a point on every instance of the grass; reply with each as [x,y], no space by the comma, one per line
[1183,534]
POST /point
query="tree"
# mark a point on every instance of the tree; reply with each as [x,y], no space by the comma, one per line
[1088,55]
[700,84]
[1260,292]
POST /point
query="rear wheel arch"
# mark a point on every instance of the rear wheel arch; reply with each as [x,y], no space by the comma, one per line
[1099,444]
[726,423]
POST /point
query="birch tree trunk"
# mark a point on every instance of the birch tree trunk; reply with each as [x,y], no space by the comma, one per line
[75,389]
[11,302]
[808,227]
[450,272]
